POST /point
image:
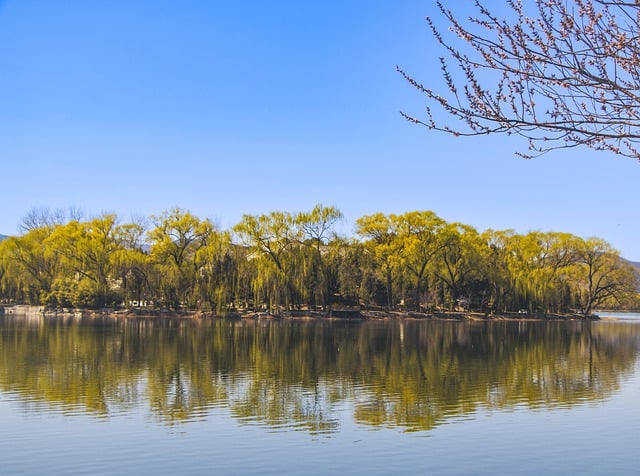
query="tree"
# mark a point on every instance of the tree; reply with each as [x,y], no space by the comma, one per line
[131,263]
[86,251]
[560,73]
[176,238]
[30,270]
[41,217]
[419,236]
[601,275]
[218,271]
[351,265]
[459,262]
[271,238]
[380,233]
[537,263]
[316,227]
[497,246]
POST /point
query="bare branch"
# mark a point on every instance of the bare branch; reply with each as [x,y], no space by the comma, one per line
[559,73]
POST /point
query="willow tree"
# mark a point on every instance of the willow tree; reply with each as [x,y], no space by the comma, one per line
[86,250]
[353,268]
[559,73]
[380,234]
[218,264]
[316,227]
[175,239]
[459,266]
[132,264]
[557,254]
[495,252]
[601,276]
[419,239]
[538,263]
[29,270]
[43,217]
[271,239]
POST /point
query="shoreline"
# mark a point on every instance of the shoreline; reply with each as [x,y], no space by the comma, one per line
[339,314]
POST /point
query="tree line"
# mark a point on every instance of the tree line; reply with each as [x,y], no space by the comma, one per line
[282,261]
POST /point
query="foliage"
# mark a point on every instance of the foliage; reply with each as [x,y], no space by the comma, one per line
[176,241]
[415,261]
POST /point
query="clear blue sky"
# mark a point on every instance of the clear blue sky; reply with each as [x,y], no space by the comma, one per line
[229,107]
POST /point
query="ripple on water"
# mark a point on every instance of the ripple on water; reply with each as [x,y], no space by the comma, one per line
[487,398]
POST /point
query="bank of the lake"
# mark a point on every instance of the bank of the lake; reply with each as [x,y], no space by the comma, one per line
[352,313]
[291,261]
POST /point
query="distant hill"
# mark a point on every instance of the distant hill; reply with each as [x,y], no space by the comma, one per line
[635,264]
[2,237]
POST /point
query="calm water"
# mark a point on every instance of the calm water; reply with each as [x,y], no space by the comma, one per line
[318,397]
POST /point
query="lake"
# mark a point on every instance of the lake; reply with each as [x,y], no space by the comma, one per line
[148,396]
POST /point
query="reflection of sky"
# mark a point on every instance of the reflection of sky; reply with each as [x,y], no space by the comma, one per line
[591,439]
[628,316]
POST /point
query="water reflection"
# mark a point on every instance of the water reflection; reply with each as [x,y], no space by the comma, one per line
[297,375]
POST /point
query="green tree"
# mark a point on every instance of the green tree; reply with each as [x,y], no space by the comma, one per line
[271,239]
[418,237]
[316,227]
[132,264]
[496,249]
[352,267]
[460,264]
[175,240]
[29,269]
[537,262]
[381,242]
[218,272]
[86,251]
[601,276]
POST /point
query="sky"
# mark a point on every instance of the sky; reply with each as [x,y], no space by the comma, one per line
[232,107]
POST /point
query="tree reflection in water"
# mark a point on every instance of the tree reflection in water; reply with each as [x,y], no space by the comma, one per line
[295,374]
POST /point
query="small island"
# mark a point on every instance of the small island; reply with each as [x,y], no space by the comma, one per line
[278,265]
